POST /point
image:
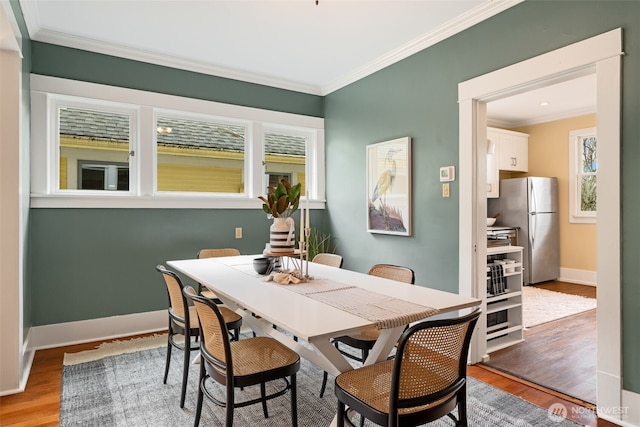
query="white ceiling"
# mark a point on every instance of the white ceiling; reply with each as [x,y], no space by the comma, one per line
[291,44]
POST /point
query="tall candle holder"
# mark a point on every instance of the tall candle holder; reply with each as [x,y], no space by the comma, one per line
[307,233]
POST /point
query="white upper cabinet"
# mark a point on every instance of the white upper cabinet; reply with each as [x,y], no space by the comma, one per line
[493,176]
[514,152]
[507,151]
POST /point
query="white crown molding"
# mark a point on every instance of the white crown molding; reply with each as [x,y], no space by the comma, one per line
[450,28]
[541,119]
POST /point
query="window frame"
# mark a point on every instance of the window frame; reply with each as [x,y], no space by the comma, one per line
[46,91]
[99,106]
[576,215]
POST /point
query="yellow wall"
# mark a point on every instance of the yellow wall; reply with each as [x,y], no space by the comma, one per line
[549,156]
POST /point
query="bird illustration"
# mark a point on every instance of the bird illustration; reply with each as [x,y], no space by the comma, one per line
[386,178]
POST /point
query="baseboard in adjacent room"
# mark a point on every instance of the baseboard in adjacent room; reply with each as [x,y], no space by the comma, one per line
[579,277]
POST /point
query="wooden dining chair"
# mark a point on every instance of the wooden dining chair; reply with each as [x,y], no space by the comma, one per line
[183,321]
[366,339]
[424,382]
[214,253]
[332,260]
[239,364]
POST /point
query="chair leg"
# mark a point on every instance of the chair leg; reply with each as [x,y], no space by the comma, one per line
[185,369]
[294,401]
[167,363]
[340,415]
[462,406]
[324,383]
[231,403]
[263,395]
[200,395]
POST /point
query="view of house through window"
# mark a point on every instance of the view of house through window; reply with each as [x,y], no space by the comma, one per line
[94,150]
[285,156]
[200,156]
[133,149]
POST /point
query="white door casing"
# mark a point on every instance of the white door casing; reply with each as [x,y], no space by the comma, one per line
[600,55]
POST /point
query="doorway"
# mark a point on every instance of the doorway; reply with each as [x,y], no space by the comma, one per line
[558,316]
[599,55]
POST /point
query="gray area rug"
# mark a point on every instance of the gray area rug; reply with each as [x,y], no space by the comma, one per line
[127,390]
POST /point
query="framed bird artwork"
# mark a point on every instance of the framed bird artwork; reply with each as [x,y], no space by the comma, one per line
[389,187]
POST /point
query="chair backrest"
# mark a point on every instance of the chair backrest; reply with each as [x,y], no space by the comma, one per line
[215,253]
[431,361]
[393,272]
[214,336]
[178,307]
[328,259]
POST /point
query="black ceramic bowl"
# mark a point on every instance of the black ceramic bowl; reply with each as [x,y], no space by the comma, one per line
[261,265]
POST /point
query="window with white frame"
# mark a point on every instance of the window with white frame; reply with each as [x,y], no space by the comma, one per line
[93,145]
[198,155]
[100,146]
[583,175]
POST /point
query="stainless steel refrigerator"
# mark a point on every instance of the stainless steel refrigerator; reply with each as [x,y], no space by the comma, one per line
[531,204]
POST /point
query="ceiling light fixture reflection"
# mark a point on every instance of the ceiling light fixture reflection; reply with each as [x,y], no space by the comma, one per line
[545,104]
[163,130]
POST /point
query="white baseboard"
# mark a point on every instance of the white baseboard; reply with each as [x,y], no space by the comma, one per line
[630,409]
[580,277]
[61,334]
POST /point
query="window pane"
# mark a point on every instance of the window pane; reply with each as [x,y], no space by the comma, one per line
[589,158]
[94,150]
[200,156]
[588,194]
[285,157]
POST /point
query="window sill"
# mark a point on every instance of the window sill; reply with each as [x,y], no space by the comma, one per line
[155,202]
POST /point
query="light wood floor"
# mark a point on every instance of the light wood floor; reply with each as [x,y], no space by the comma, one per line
[39,404]
[560,355]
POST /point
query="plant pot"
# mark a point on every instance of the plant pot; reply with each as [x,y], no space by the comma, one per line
[282,235]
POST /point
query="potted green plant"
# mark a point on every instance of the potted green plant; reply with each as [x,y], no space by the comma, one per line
[319,242]
[281,202]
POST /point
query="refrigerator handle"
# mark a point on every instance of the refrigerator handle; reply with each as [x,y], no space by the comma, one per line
[532,197]
[532,231]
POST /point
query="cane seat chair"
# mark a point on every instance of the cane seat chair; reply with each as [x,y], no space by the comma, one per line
[366,339]
[239,364]
[424,382]
[183,321]
[214,253]
[332,260]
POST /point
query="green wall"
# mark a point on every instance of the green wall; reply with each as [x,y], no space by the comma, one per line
[94,263]
[75,64]
[417,97]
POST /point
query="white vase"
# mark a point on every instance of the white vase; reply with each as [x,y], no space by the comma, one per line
[282,235]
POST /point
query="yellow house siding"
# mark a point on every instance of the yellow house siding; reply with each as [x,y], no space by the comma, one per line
[63,173]
[549,156]
[176,177]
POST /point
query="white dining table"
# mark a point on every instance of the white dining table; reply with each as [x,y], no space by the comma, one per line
[263,304]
